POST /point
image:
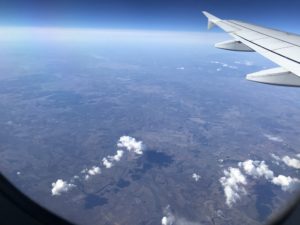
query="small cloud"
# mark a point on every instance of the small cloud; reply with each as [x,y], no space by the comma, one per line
[61,186]
[131,144]
[171,219]
[273,138]
[225,65]
[246,63]
[107,163]
[229,66]
[180,68]
[291,162]
[18,173]
[117,157]
[196,177]
[276,157]
[94,171]
[233,183]
[287,183]
[84,170]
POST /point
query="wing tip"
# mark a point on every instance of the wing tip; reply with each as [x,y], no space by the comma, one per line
[210,16]
[211,19]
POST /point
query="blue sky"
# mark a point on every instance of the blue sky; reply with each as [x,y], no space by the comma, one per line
[183,15]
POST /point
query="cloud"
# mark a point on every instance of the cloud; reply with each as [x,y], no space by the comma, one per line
[170,219]
[233,183]
[180,68]
[108,161]
[131,144]
[128,143]
[287,183]
[94,171]
[291,162]
[273,138]
[276,157]
[256,169]
[61,186]
[234,180]
[246,63]
[225,65]
[117,157]
[196,177]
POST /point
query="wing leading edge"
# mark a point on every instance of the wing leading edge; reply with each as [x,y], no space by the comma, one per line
[280,47]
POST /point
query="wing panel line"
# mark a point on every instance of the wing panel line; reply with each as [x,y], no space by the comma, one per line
[264,34]
[269,49]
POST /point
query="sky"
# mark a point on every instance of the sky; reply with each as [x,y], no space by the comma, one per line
[179,15]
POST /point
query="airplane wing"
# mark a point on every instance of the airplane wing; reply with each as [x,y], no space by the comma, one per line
[280,47]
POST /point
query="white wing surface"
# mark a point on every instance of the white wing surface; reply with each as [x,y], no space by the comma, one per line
[280,47]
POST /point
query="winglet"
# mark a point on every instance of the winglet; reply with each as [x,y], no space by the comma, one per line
[211,19]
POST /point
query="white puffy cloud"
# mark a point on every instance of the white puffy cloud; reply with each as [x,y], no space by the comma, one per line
[287,183]
[256,169]
[291,162]
[107,163]
[131,144]
[61,186]
[233,183]
[117,157]
[170,219]
[125,142]
[94,171]
[196,177]
[273,138]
